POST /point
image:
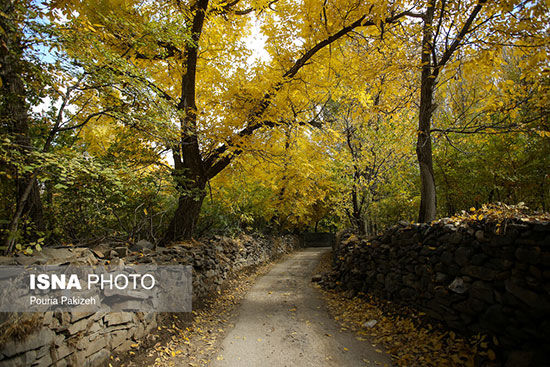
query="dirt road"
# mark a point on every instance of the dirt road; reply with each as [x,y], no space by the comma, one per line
[283,322]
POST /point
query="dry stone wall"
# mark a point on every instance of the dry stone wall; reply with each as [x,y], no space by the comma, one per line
[88,339]
[474,276]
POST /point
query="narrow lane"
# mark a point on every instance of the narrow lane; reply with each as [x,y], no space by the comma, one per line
[283,322]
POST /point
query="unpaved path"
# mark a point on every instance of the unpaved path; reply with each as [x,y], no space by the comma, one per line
[283,322]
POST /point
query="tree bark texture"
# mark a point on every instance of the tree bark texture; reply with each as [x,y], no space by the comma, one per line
[427,211]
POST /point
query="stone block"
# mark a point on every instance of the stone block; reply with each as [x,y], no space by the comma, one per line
[48,318]
[462,255]
[478,259]
[117,318]
[43,350]
[97,359]
[503,240]
[76,316]
[530,255]
[525,295]
[118,337]
[44,361]
[494,318]
[480,236]
[18,361]
[126,345]
[78,326]
[499,264]
[91,347]
[479,272]
[483,291]
[62,352]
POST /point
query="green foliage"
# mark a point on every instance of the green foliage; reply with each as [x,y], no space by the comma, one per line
[510,169]
[92,199]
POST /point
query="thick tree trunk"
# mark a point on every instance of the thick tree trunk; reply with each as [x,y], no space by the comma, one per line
[189,167]
[32,206]
[431,67]
[427,210]
[185,218]
[191,180]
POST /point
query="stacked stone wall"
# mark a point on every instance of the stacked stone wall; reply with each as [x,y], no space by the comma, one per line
[89,339]
[476,276]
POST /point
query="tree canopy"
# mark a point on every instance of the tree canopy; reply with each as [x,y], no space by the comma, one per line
[127,120]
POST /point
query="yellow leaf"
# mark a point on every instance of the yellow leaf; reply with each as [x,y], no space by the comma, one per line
[491,354]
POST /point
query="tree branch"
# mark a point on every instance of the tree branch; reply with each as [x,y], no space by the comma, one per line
[215,163]
[456,42]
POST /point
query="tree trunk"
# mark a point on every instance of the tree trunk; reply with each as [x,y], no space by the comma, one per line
[14,113]
[32,206]
[189,168]
[185,218]
[191,180]
[357,217]
[427,211]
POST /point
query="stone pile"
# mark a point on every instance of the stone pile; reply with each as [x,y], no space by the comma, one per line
[476,276]
[88,339]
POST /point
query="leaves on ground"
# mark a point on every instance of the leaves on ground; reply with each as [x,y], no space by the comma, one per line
[402,332]
[404,337]
[196,343]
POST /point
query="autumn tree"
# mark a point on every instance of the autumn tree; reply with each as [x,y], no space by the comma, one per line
[173,50]
[286,185]
[447,27]
[493,129]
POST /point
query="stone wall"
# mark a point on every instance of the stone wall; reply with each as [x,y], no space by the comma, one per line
[476,276]
[88,339]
